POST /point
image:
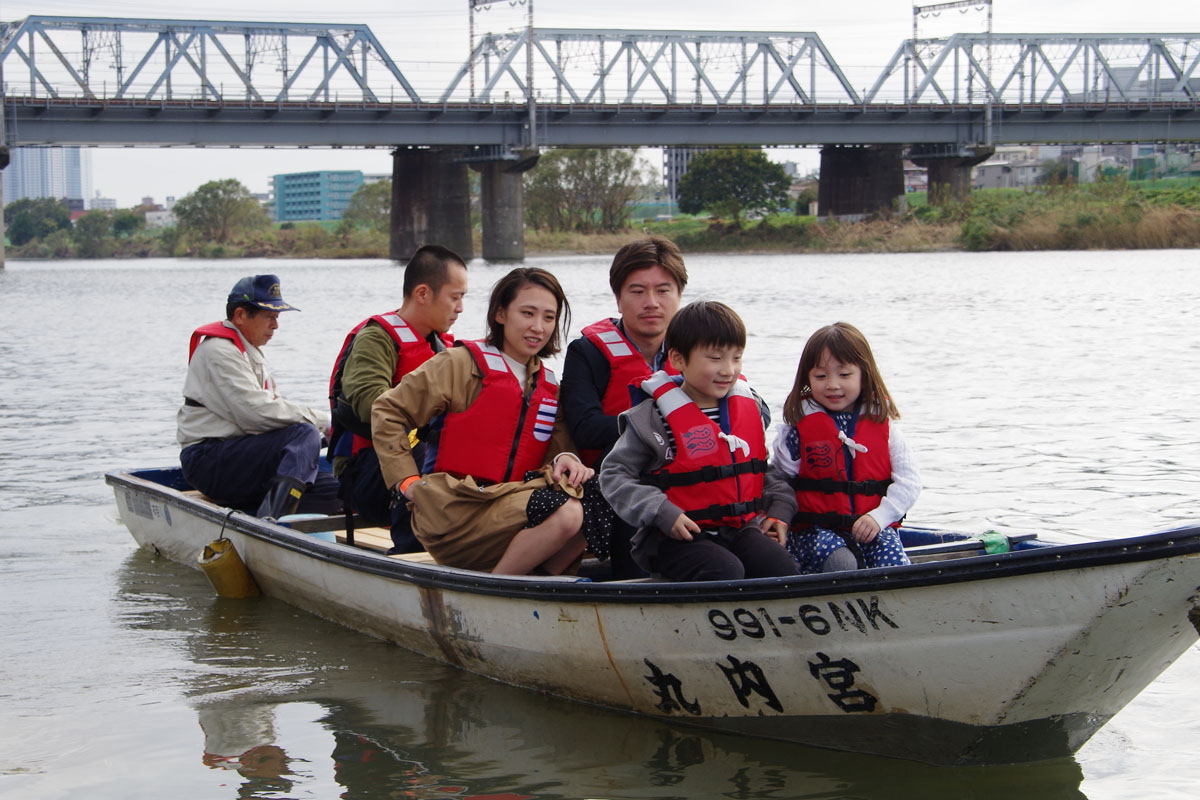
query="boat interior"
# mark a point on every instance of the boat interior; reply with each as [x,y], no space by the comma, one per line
[921,544]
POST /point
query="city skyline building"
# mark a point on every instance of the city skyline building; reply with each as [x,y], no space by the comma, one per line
[56,172]
[676,161]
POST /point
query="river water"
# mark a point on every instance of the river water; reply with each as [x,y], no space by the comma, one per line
[1048,392]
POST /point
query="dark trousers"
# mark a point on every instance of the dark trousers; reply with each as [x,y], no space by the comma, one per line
[620,556]
[728,556]
[364,491]
[237,471]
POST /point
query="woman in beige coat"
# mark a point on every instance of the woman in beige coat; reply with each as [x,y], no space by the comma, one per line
[500,490]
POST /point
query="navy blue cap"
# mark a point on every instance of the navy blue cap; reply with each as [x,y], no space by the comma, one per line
[262,291]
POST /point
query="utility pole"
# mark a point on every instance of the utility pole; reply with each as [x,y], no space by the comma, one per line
[936,9]
[474,6]
[471,43]
[530,100]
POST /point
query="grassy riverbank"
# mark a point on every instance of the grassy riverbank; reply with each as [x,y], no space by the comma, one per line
[1111,215]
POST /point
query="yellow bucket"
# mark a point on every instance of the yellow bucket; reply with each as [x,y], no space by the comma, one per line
[225,570]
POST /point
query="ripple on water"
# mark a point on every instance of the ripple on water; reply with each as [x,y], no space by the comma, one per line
[1018,379]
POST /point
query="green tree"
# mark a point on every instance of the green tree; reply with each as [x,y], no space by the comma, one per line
[312,237]
[808,195]
[371,206]
[126,222]
[57,245]
[731,181]
[28,219]
[90,232]
[218,210]
[1057,171]
[584,190]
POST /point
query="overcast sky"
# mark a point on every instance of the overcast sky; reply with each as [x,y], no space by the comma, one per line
[431,35]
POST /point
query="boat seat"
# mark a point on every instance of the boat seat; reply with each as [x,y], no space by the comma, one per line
[380,541]
[377,539]
[420,557]
[199,495]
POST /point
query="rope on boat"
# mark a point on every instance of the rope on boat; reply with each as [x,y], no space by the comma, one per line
[225,522]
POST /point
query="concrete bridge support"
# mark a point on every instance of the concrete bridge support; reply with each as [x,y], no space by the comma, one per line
[431,202]
[502,206]
[3,164]
[859,180]
[950,175]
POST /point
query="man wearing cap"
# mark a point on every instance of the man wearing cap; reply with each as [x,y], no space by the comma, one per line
[243,443]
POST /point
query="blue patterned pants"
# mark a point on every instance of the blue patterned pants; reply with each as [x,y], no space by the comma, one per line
[811,547]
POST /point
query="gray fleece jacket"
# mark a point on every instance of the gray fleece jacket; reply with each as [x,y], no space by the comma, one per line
[642,447]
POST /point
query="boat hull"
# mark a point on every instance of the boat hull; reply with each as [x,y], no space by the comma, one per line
[994,659]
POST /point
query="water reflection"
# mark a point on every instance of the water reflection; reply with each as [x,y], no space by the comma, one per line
[294,705]
[1009,369]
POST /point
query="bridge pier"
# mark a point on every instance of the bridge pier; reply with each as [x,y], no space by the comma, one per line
[431,202]
[3,164]
[502,206]
[949,173]
[859,180]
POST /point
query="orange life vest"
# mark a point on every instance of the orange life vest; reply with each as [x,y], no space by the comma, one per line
[217,330]
[833,488]
[627,368]
[412,350]
[503,433]
[716,480]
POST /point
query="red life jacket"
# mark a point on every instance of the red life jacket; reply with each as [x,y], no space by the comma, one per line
[502,434]
[220,331]
[828,493]
[714,485]
[412,350]
[217,329]
[626,368]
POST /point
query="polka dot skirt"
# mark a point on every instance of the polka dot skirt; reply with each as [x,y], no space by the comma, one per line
[597,514]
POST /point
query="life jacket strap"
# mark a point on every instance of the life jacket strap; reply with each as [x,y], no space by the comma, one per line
[707,474]
[742,509]
[831,486]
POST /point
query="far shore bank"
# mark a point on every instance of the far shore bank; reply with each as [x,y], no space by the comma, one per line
[1110,215]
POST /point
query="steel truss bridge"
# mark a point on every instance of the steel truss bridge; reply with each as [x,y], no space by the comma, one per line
[152,82]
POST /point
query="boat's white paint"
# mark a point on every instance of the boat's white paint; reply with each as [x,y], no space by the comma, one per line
[1073,644]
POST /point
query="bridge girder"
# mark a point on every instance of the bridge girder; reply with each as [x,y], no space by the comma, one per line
[670,67]
[119,82]
[153,59]
[242,124]
[1043,68]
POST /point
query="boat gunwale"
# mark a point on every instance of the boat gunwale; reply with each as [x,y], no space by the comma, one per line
[1052,557]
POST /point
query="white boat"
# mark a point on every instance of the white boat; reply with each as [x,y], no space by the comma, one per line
[964,657]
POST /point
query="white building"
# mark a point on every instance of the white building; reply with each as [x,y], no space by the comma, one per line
[1012,167]
[160,219]
[1006,174]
